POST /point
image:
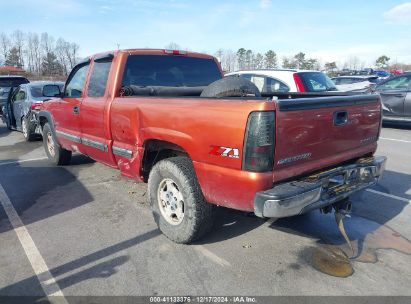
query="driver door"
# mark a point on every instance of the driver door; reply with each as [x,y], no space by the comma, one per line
[393,93]
[67,113]
[17,106]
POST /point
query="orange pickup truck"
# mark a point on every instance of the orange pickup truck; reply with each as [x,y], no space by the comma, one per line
[169,118]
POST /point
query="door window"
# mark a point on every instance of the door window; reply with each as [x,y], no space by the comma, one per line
[274,85]
[75,85]
[98,79]
[19,96]
[399,83]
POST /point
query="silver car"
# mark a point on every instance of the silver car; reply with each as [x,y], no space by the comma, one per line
[24,103]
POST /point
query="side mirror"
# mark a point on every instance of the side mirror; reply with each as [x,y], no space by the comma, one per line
[51,90]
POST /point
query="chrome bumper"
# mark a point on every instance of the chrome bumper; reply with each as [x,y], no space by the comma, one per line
[319,190]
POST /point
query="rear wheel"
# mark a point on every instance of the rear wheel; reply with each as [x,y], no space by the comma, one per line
[176,200]
[54,151]
[28,129]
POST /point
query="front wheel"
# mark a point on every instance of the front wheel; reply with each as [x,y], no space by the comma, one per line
[176,200]
[54,151]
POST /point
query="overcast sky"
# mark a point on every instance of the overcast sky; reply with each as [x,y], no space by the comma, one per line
[330,30]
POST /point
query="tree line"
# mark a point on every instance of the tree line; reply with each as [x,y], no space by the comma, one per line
[245,59]
[38,54]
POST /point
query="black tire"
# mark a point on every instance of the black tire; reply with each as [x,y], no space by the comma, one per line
[60,157]
[198,214]
[29,135]
[231,87]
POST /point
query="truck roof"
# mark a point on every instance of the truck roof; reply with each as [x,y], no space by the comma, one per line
[157,52]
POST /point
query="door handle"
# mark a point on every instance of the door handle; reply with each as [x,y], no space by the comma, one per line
[76,110]
[340,118]
[399,95]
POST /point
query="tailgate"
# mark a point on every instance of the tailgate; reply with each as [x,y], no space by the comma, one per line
[315,133]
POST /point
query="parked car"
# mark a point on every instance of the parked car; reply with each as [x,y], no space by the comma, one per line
[354,83]
[271,81]
[6,84]
[24,103]
[396,98]
[382,74]
[168,118]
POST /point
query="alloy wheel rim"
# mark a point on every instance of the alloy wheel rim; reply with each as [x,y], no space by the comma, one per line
[50,144]
[170,201]
[24,128]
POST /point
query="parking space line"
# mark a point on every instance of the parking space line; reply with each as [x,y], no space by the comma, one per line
[47,281]
[22,161]
[393,139]
[389,195]
[212,256]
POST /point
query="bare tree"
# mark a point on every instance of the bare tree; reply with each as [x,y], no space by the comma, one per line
[72,54]
[4,45]
[18,42]
[60,53]
[229,61]
[172,46]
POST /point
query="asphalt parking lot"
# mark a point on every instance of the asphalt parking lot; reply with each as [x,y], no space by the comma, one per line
[94,231]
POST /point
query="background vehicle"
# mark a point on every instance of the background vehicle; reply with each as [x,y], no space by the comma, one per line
[354,83]
[272,81]
[396,98]
[6,83]
[24,103]
[168,118]
[382,74]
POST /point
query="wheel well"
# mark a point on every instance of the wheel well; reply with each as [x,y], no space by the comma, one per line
[43,120]
[156,150]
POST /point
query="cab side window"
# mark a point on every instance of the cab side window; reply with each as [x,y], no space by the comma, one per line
[75,85]
[98,79]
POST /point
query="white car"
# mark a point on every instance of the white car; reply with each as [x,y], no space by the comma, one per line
[354,83]
[271,81]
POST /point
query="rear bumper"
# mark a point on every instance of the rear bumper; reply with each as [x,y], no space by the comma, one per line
[319,190]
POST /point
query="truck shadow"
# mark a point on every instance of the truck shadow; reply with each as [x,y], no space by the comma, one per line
[40,191]
[229,224]
[104,269]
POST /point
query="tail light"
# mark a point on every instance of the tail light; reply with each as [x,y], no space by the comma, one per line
[36,106]
[298,82]
[259,142]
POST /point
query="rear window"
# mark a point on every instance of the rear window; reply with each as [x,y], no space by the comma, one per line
[317,82]
[170,71]
[37,91]
[12,82]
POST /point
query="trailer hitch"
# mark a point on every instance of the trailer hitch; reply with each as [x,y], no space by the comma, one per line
[342,209]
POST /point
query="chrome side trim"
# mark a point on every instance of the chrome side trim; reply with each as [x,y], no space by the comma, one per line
[88,142]
[71,137]
[122,152]
[95,144]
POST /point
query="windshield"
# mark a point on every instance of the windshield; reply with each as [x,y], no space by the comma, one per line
[170,71]
[12,82]
[317,82]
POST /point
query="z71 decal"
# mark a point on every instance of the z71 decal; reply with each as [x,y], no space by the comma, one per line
[225,151]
